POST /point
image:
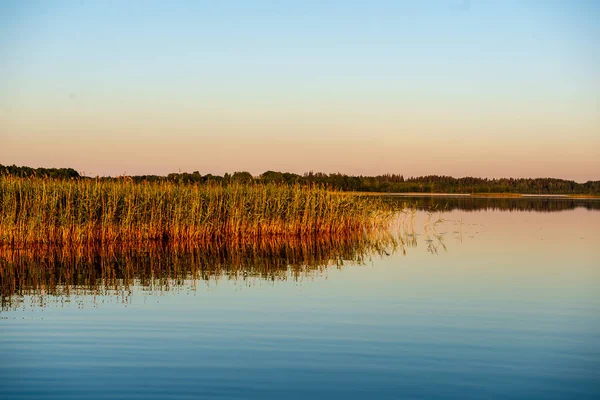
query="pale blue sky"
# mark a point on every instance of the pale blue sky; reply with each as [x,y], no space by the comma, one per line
[447,87]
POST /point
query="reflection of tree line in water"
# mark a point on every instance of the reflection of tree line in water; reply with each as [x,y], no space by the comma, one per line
[502,204]
[49,273]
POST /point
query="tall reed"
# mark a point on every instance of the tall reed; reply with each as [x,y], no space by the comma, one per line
[37,210]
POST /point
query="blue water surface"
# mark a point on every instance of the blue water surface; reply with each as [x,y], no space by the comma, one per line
[509,310]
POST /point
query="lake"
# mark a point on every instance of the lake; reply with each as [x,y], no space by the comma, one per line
[500,300]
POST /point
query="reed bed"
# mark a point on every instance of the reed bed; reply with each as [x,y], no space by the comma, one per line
[83,211]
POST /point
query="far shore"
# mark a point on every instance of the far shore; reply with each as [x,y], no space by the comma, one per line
[487,195]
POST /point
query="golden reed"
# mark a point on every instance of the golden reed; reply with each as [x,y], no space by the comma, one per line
[84,211]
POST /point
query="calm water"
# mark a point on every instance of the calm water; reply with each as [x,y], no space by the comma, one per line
[498,302]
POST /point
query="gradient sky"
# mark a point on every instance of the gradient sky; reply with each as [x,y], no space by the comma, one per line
[478,88]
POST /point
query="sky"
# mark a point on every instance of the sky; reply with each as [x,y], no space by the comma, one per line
[449,87]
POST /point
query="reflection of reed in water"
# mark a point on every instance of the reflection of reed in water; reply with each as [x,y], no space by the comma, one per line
[114,270]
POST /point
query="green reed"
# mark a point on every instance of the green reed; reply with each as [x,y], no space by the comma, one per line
[37,210]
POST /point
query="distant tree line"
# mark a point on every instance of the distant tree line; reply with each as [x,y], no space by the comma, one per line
[388,183]
[54,173]
[468,203]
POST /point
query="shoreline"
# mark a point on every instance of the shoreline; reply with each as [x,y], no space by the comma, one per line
[487,195]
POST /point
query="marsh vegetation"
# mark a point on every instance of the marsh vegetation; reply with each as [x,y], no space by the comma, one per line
[77,211]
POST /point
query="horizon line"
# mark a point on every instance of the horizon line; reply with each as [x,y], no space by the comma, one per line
[305,173]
